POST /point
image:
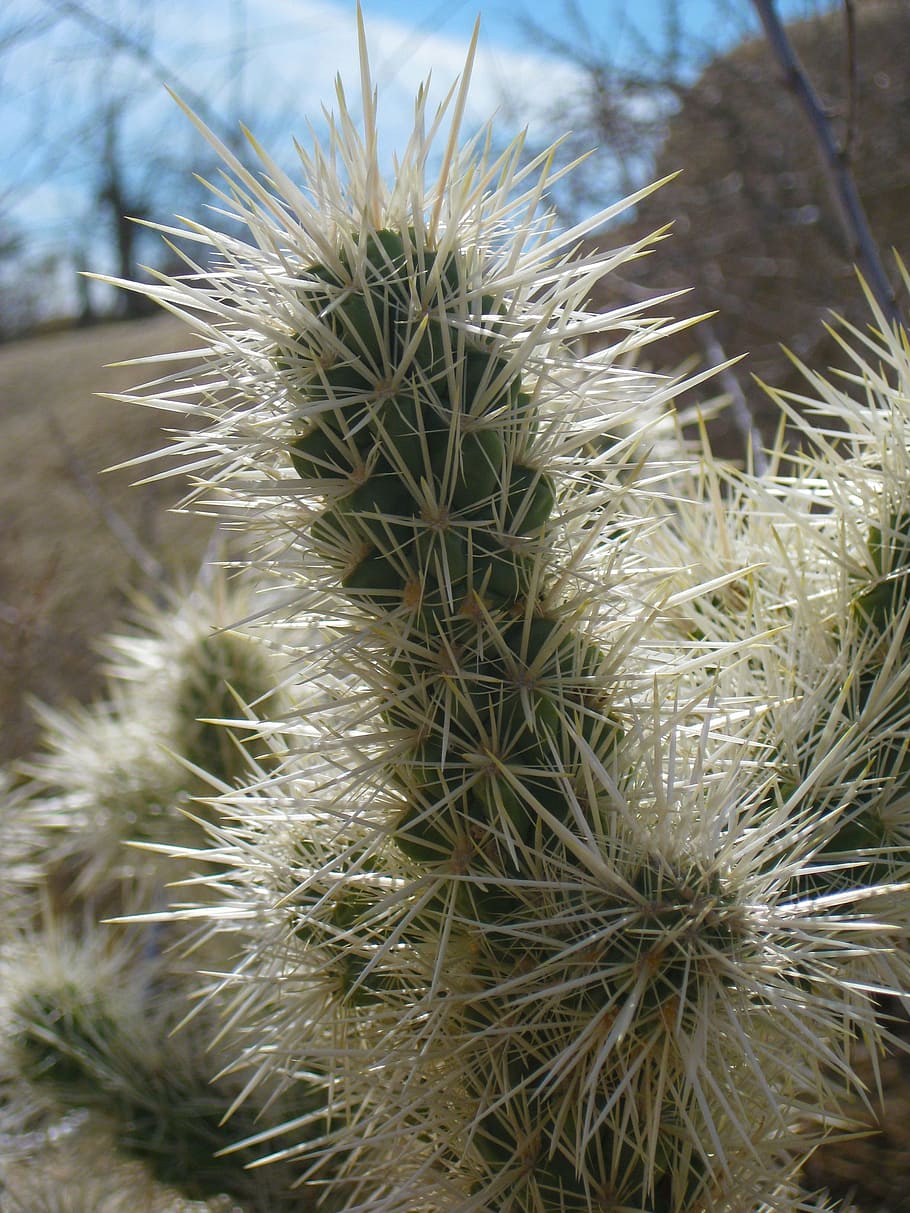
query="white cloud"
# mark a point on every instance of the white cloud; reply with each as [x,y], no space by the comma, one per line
[295,49]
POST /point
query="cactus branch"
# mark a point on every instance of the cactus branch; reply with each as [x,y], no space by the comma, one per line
[545,892]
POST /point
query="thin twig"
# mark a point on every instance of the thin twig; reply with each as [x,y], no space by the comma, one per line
[740,410]
[835,166]
[116,38]
[852,81]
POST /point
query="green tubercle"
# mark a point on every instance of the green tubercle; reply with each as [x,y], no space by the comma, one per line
[886,596]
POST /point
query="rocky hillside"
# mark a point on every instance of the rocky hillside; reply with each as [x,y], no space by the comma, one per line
[756,231]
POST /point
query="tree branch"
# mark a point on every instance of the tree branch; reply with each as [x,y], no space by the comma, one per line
[834,163]
[116,38]
[852,80]
[740,410]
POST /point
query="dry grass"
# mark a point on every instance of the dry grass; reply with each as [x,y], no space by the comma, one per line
[64,572]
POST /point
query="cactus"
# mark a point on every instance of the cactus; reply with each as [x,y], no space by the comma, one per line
[537,888]
[125,768]
[89,1010]
[94,1027]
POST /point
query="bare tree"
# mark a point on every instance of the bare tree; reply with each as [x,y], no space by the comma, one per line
[835,159]
[93,125]
[637,77]
[758,234]
[122,203]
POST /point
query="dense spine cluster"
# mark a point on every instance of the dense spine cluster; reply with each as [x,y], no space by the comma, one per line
[853,762]
[90,1008]
[427,426]
[503,760]
[444,522]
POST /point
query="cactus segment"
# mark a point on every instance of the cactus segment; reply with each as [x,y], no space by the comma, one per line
[406,294]
[862,844]
[381,260]
[375,581]
[504,809]
[382,493]
[893,555]
[529,1134]
[436,349]
[486,386]
[342,940]
[886,598]
[543,648]
[442,565]
[530,502]
[403,431]
[420,835]
[337,382]
[859,846]
[683,922]
[372,315]
[362,315]
[340,537]
[479,472]
[500,574]
[495,699]
[363,323]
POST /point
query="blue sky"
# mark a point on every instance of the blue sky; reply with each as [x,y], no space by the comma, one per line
[298,45]
[272,63]
[257,56]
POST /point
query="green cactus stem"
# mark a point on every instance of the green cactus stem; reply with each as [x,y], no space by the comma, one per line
[108,1048]
[516,887]
[858,844]
[498,702]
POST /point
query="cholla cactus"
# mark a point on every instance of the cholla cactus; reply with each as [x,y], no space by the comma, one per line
[183,717]
[531,892]
[23,867]
[89,1012]
[823,556]
[91,1026]
[864,479]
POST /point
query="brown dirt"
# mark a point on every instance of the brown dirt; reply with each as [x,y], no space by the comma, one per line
[64,572]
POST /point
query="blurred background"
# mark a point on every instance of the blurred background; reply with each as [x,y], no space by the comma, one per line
[91,140]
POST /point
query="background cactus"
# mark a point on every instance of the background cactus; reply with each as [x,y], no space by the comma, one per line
[93,1029]
[91,1059]
[132,767]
